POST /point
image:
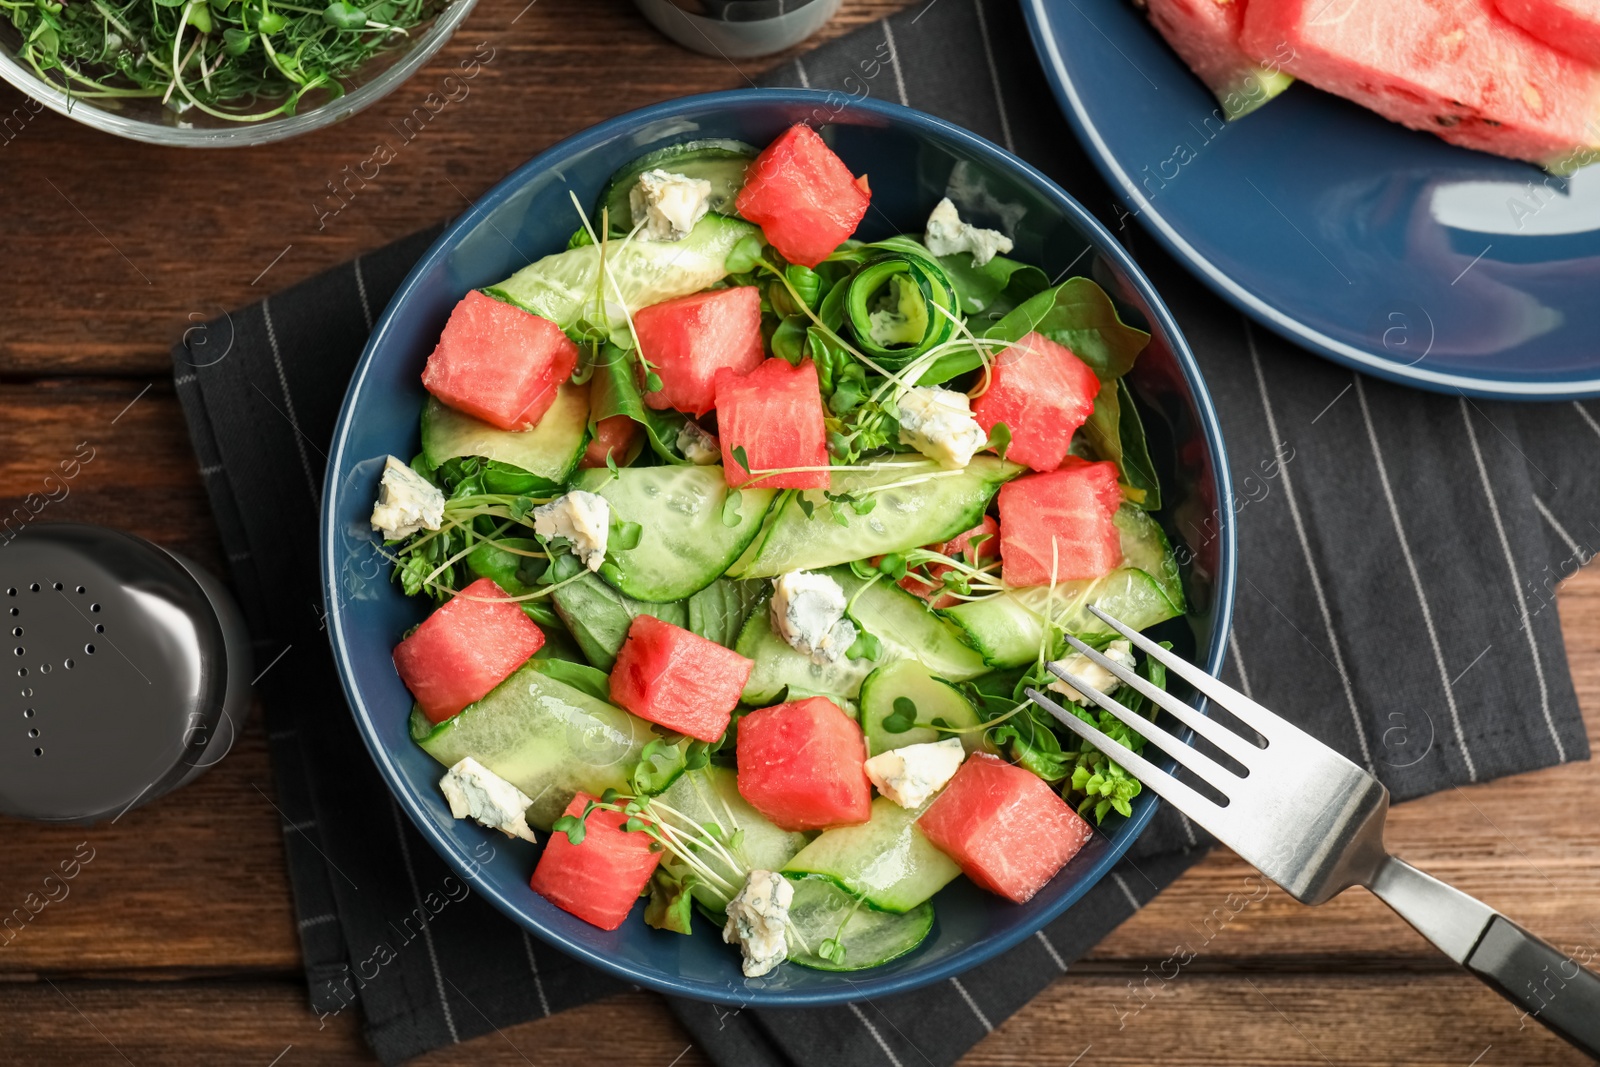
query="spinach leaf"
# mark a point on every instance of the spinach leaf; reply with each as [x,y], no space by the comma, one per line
[1116,432]
[614,390]
[1077,313]
[580,676]
[996,287]
[718,611]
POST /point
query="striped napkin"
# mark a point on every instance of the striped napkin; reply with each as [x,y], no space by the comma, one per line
[1396,597]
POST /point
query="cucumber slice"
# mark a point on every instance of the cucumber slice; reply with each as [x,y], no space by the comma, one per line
[598,617]
[686,544]
[563,287]
[720,161]
[822,911]
[934,697]
[711,796]
[546,738]
[944,504]
[549,451]
[1009,627]
[778,667]
[903,625]
[718,612]
[1144,545]
[885,860]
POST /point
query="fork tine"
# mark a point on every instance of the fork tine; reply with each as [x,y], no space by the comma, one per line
[1213,731]
[1198,807]
[1207,769]
[1247,711]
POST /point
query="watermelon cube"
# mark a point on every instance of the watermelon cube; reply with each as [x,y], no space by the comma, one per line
[957,548]
[499,363]
[1043,393]
[466,648]
[1205,34]
[1071,509]
[774,414]
[678,679]
[599,879]
[1454,68]
[800,765]
[688,340]
[614,435]
[1570,26]
[803,197]
[1007,829]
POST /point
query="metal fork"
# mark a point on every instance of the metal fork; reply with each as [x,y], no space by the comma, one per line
[1312,821]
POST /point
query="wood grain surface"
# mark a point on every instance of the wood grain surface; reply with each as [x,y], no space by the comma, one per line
[176,944]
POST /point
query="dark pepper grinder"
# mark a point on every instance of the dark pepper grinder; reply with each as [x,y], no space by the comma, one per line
[124,673]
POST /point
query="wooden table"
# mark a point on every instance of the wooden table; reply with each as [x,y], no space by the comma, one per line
[177,942]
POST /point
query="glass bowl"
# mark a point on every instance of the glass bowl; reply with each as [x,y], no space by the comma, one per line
[147,119]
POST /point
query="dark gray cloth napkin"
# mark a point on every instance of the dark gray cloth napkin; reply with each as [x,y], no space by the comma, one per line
[1396,596]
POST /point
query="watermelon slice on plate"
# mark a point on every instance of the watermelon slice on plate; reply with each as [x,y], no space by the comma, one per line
[1454,68]
[466,648]
[1007,829]
[773,415]
[1570,26]
[1205,34]
[1065,519]
[800,765]
[688,340]
[803,197]
[499,363]
[1043,393]
[600,879]
[678,679]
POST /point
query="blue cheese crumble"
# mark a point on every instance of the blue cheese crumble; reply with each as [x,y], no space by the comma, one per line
[808,612]
[939,424]
[946,234]
[1082,666]
[669,204]
[476,792]
[583,519]
[909,776]
[407,502]
[758,915]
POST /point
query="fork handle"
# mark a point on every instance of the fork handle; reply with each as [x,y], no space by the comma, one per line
[1549,985]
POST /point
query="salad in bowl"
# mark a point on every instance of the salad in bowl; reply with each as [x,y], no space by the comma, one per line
[739,531]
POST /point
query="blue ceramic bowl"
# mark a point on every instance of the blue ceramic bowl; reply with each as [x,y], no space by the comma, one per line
[913,159]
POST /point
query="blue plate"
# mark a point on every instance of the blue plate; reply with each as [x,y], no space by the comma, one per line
[1373,245]
[913,159]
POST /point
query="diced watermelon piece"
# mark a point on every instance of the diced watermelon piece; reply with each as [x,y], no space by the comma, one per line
[956,548]
[1570,26]
[800,765]
[1451,67]
[688,340]
[1007,829]
[678,679]
[499,363]
[1205,34]
[1043,393]
[774,414]
[614,435]
[1073,507]
[600,879]
[465,649]
[803,197]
